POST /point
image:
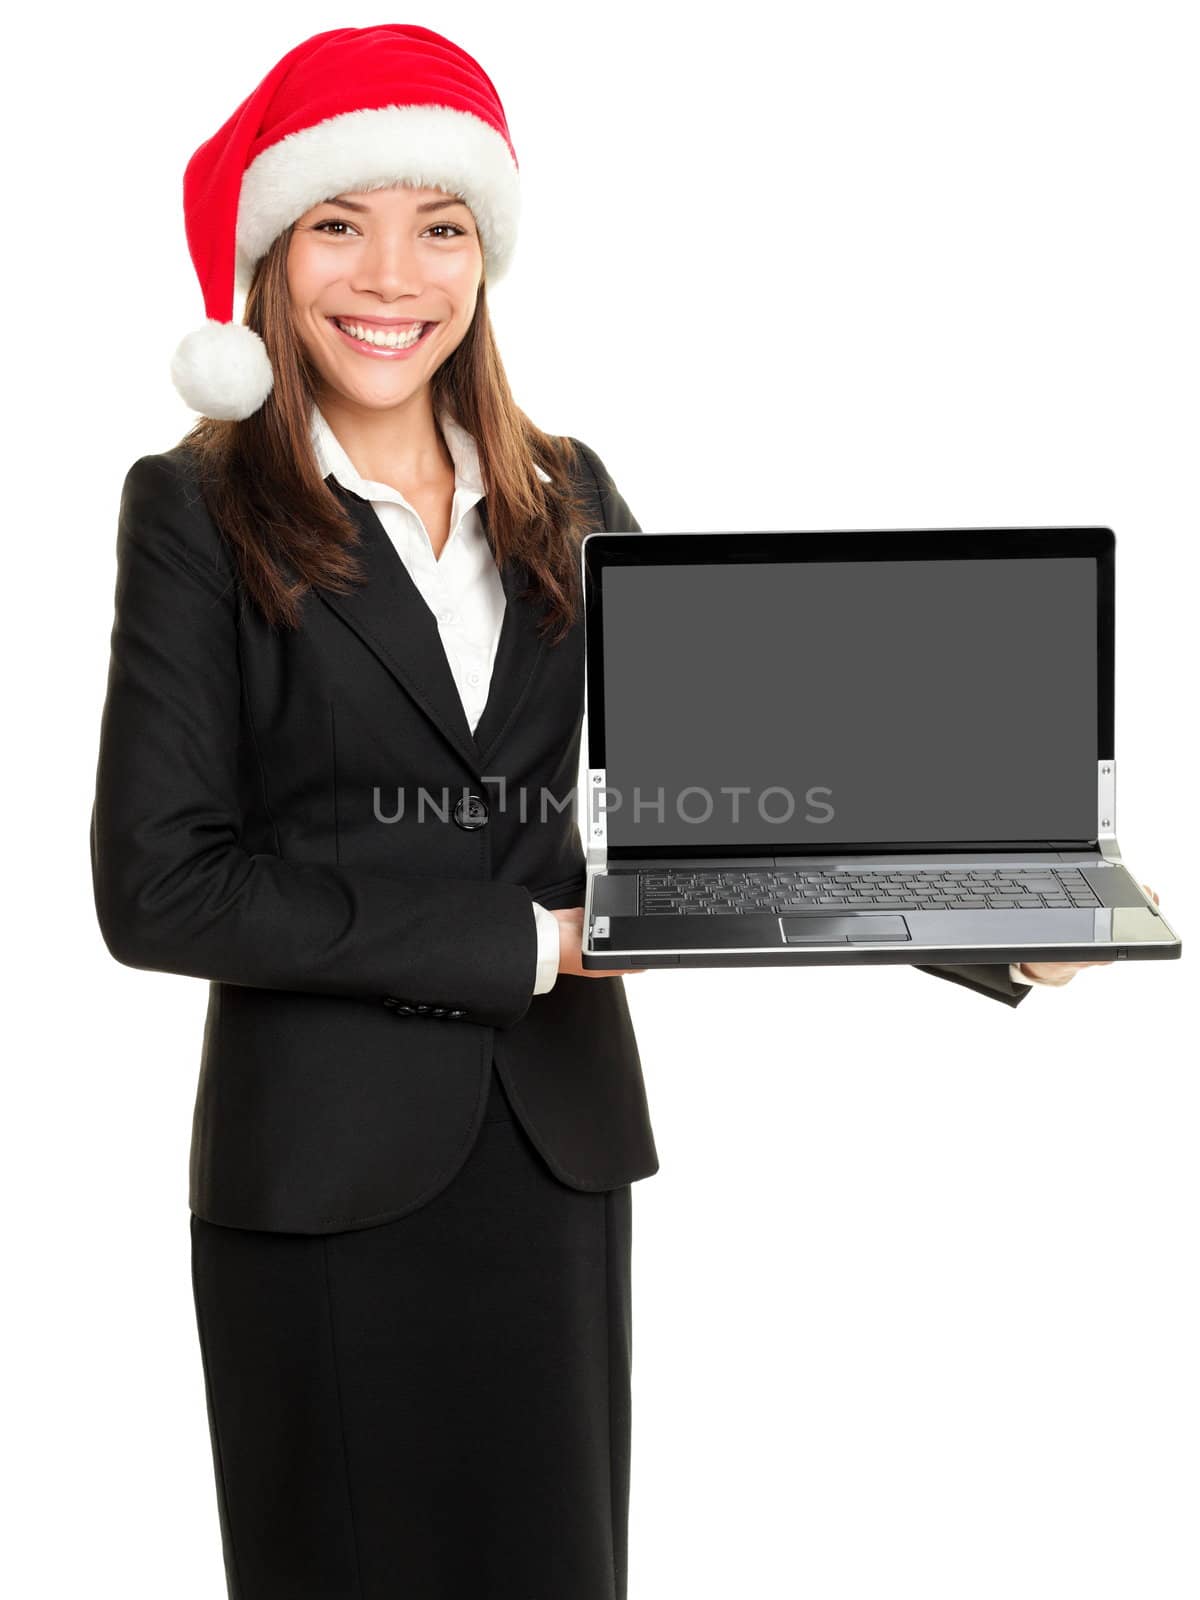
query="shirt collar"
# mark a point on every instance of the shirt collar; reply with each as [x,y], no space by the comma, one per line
[332,458]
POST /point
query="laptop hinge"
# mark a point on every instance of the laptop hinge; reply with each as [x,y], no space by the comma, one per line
[1106,810]
[597,820]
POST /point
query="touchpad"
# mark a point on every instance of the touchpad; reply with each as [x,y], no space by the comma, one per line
[864,927]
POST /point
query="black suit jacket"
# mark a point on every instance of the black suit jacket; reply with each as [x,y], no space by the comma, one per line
[363,973]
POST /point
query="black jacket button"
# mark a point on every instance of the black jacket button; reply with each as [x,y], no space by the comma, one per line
[471,811]
[456,1013]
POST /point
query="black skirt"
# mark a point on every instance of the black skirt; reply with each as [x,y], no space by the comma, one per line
[436,1407]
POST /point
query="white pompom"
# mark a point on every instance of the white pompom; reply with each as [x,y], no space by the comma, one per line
[222,370]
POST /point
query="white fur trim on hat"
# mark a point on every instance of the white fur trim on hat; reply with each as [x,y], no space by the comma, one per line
[222,370]
[427,147]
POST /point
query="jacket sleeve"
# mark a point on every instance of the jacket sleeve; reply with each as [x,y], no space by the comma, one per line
[993,980]
[174,889]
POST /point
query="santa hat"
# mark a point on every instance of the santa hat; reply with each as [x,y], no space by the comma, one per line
[350,109]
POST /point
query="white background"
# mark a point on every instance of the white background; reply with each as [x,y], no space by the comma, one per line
[916,1307]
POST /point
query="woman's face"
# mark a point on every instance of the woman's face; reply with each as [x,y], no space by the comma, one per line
[383,260]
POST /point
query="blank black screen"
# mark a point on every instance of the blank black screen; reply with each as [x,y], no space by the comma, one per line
[922,701]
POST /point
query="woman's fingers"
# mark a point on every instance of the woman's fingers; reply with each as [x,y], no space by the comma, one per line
[571,917]
[1059,972]
[1150,892]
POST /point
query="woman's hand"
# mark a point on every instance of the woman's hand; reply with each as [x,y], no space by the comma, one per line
[1058,973]
[570,935]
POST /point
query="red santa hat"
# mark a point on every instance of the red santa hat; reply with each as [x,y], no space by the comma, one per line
[350,109]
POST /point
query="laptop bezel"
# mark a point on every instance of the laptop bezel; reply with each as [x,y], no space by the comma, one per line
[602,549]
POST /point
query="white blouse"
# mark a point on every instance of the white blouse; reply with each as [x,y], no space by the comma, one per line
[461,587]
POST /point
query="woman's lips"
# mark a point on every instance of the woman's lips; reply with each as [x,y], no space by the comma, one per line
[381,352]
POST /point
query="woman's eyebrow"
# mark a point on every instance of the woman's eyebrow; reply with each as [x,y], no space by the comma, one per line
[429,205]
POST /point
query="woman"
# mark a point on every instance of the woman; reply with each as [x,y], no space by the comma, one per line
[354,586]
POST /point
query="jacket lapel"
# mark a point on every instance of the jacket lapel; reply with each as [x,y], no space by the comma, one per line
[390,616]
[519,651]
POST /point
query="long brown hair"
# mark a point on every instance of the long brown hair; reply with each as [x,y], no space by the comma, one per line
[288,531]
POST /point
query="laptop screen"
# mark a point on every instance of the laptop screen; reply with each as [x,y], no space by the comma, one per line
[806,704]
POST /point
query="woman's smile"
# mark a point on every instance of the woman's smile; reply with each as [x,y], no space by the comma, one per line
[389,346]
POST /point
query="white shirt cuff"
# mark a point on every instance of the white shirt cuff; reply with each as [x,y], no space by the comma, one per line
[547,949]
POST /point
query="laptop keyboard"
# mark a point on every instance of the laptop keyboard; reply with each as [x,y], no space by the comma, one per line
[738,890]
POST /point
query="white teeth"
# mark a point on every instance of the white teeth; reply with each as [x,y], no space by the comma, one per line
[377,336]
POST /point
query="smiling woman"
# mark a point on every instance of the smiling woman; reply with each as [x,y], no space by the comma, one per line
[332,271]
[333,301]
[417,1120]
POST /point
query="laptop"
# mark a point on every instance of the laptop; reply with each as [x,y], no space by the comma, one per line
[854,747]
